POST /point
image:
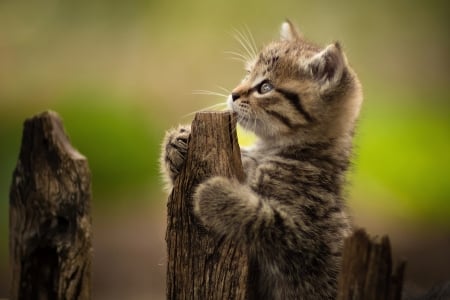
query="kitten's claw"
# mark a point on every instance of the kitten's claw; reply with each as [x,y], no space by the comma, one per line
[175,148]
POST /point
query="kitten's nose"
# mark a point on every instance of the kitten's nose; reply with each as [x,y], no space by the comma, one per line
[235,96]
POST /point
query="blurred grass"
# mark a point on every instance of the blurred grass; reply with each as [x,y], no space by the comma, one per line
[403,150]
[120,140]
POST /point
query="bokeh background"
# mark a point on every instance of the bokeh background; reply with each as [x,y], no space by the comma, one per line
[121,72]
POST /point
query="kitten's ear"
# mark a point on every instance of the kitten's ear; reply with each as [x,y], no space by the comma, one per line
[288,32]
[327,66]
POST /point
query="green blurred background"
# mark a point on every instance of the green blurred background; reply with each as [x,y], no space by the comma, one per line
[121,72]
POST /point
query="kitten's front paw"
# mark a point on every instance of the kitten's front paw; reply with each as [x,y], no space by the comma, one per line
[174,151]
[213,197]
[225,206]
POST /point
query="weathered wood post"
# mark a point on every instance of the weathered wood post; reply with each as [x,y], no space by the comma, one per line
[200,265]
[367,270]
[50,222]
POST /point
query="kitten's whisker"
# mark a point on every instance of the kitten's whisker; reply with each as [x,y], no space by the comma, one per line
[215,106]
[245,36]
[244,43]
[224,89]
[221,105]
[206,92]
[252,40]
[238,56]
[238,59]
[212,107]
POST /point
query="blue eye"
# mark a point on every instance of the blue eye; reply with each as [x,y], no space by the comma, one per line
[265,87]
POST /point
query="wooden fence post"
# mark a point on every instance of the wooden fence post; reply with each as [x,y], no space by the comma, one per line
[50,222]
[367,270]
[200,265]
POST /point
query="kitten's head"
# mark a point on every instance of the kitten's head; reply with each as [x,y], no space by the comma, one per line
[297,91]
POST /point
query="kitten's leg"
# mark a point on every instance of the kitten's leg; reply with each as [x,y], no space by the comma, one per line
[234,210]
[173,154]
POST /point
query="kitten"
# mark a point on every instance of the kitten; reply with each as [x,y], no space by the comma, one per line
[302,102]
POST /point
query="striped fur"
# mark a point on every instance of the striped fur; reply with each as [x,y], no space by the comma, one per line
[302,102]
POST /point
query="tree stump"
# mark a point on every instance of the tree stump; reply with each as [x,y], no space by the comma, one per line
[50,222]
[367,270]
[201,265]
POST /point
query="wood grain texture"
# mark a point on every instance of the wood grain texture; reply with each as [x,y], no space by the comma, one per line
[50,222]
[201,265]
[367,270]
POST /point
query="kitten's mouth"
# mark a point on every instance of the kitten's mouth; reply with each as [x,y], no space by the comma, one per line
[238,112]
[240,118]
[239,115]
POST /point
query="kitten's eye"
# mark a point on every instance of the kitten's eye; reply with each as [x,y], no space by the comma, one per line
[265,87]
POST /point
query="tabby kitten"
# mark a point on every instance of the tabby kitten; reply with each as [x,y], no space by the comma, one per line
[302,102]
